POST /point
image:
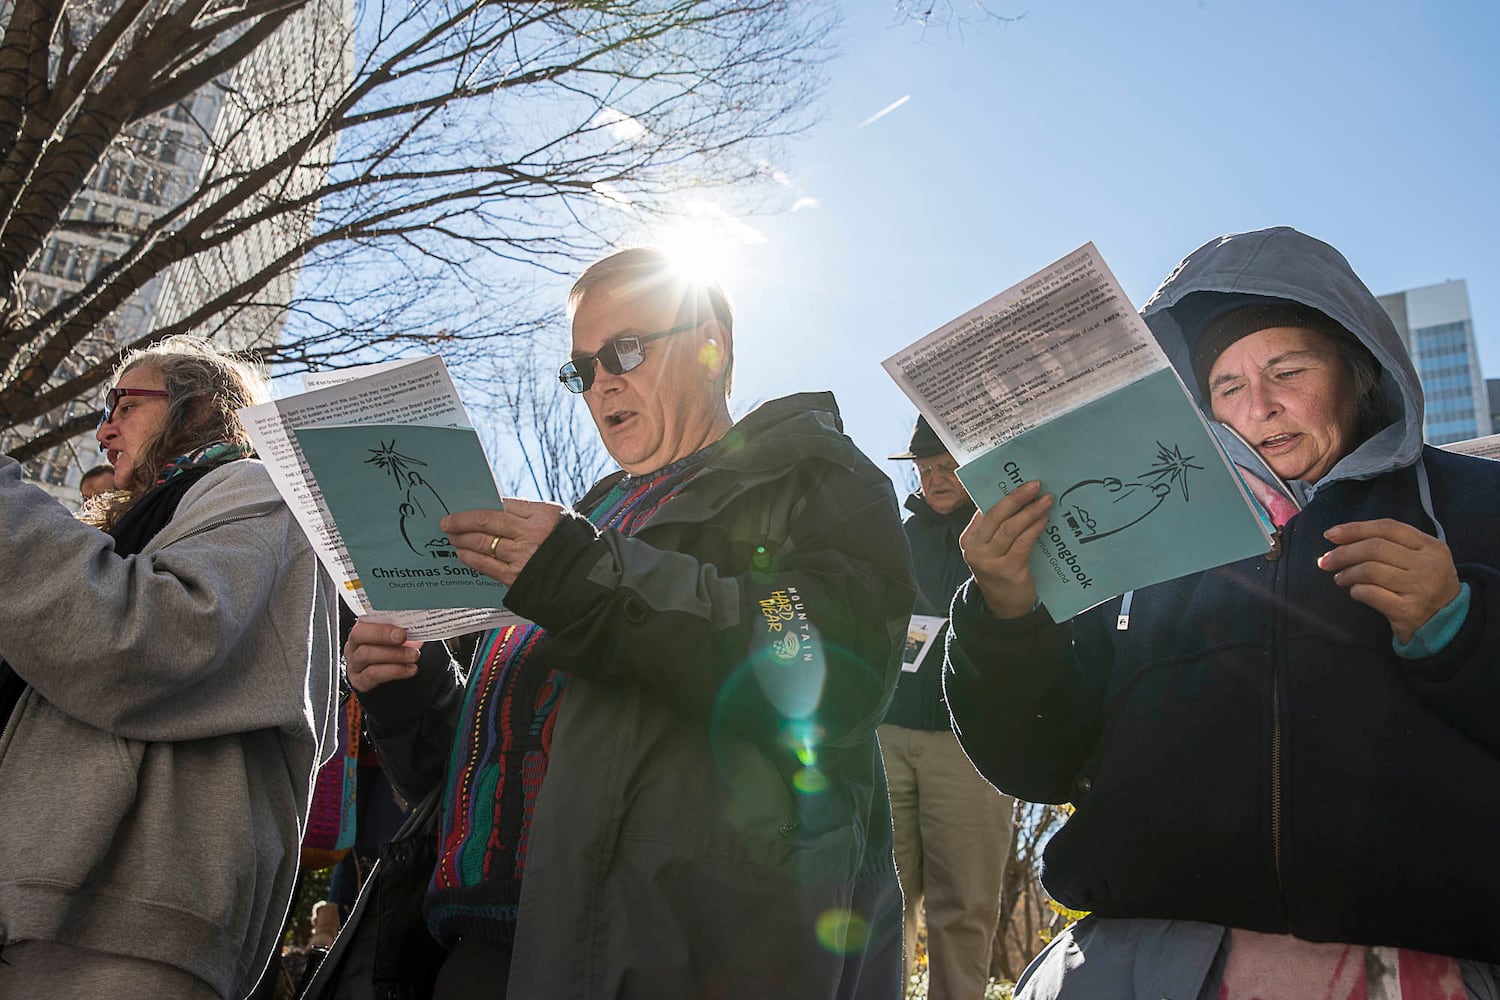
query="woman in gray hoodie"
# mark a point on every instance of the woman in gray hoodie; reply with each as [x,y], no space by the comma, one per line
[166,689]
[1286,770]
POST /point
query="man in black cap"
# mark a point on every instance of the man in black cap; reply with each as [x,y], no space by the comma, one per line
[952,827]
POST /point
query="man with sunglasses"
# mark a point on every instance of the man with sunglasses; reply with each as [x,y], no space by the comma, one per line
[669,786]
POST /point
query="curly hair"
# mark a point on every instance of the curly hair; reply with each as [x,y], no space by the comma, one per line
[206,387]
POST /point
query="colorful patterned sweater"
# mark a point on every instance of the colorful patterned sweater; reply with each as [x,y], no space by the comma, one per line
[500,749]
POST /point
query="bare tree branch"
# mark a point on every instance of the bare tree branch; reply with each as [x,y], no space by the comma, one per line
[54,436]
[426,159]
[948,13]
[1023,905]
[560,454]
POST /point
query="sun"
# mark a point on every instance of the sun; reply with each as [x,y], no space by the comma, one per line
[706,242]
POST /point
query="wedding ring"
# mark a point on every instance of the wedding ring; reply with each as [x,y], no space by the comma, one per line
[494,542]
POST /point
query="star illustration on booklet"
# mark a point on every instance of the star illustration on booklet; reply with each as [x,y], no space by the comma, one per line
[1057,379]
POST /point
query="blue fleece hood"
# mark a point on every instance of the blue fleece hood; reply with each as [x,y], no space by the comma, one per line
[1282,263]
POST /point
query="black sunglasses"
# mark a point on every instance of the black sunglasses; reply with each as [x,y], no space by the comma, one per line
[618,356]
[112,399]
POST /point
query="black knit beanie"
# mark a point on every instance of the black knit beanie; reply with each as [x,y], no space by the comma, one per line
[1224,330]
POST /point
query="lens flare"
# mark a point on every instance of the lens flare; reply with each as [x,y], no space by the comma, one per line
[810,781]
[842,932]
[711,356]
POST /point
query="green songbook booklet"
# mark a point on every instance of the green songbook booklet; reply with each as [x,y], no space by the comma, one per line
[369,459]
[388,486]
[1058,379]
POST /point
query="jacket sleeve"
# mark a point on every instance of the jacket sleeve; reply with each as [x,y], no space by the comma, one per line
[1027,696]
[152,647]
[412,722]
[1461,682]
[803,647]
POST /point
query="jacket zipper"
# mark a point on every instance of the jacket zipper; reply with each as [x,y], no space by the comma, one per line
[1276,584]
[1276,780]
[1279,539]
[255,510]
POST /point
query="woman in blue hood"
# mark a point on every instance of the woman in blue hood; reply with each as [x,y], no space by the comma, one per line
[1286,771]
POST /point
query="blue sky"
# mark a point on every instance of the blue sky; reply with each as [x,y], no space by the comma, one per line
[1147,128]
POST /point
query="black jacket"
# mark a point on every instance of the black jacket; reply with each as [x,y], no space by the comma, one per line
[939,568]
[715,817]
[1250,750]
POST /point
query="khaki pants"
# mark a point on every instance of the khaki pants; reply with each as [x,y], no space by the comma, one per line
[952,838]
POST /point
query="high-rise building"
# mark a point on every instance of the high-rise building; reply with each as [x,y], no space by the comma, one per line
[1435,323]
[1493,386]
[224,130]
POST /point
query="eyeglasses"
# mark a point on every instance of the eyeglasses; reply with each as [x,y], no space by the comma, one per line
[946,467]
[113,397]
[618,356]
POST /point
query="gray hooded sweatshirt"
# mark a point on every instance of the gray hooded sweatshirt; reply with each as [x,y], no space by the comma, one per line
[155,776]
[1284,264]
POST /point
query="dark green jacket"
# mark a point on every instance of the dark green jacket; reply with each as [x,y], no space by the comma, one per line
[714,820]
[940,570]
